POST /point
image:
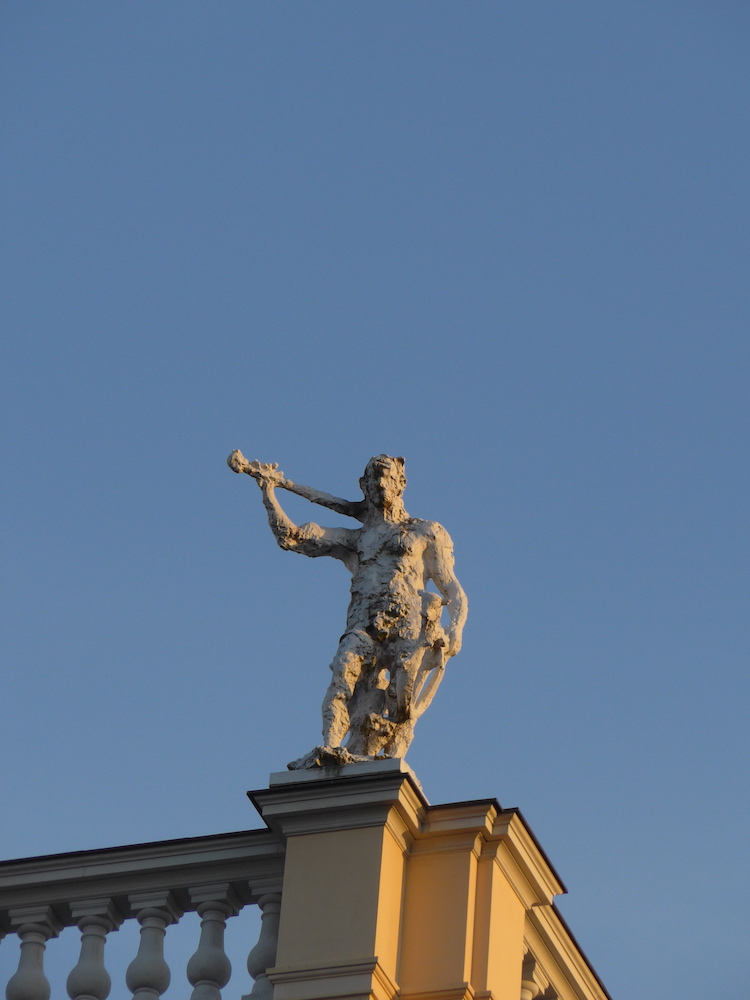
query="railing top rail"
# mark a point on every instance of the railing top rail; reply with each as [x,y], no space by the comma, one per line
[250,861]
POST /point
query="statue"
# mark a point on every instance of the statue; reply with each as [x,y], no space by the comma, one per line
[392,654]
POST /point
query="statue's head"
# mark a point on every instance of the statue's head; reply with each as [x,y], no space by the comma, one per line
[384,481]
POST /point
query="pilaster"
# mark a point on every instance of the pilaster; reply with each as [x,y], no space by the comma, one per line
[347,831]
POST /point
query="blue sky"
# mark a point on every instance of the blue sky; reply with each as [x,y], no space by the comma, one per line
[508,241]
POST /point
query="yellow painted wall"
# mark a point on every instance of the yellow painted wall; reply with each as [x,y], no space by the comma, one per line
[391,903]
[331,887]
[498,933]
[438,919]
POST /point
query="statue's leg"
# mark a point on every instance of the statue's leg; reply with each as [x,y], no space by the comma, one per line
[354,649]
[408,656]
[408,661]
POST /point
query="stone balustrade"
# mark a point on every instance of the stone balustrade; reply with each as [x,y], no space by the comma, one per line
[154,884]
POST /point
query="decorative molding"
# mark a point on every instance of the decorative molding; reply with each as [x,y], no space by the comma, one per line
[362,978]
[101,907]
[216,892]
[161,901]
[355,801]
[559,958]
[466,841]
[461,991]
[522,861]
[45,917]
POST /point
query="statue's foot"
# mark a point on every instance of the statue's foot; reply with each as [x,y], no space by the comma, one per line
[326,757]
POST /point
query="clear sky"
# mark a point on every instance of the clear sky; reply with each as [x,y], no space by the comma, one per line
[507,240]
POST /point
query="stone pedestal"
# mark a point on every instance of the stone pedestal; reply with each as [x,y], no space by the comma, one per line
[385,895]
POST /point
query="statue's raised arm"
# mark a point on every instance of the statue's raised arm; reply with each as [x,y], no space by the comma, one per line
[308,539]
[392,654]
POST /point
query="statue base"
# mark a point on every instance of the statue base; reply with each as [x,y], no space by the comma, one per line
[329,757]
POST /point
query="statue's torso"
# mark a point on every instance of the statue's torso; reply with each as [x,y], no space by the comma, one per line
[388,575]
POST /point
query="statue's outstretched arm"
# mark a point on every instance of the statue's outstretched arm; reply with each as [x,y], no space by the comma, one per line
[271,472]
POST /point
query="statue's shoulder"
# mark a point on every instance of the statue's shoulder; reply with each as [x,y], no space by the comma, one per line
[430,529]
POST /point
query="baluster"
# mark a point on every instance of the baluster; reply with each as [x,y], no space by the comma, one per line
[89,980]
[263,955]
[148,974]
[529,987]
[209,968]
[35,925]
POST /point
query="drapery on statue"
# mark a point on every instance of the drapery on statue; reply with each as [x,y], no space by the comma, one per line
[392,654]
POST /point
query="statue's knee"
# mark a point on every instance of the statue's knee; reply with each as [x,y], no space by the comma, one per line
[345,675]
[347,664]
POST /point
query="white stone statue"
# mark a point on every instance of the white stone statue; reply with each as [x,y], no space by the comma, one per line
[392,654]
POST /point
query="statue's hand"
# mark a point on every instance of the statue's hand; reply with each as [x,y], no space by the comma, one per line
[266,473]
[454,644]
